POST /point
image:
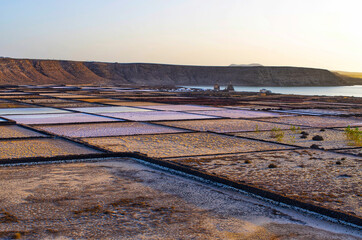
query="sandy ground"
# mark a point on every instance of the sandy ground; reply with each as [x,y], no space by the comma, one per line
[126,200]
[43,147]
[181,144]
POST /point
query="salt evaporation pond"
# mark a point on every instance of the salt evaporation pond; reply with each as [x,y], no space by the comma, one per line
[59,118]
[183,144]
[182,108]
[108,129]
[225,125]
[156,116]
[14,131]
[25,148]
[12,111]
[108,109]
[239,113]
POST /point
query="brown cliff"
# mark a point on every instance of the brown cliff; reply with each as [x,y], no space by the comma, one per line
[28,71]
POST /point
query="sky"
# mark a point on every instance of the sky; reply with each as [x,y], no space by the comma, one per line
[308,33]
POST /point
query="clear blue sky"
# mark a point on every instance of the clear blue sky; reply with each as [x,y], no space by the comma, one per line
[310,33]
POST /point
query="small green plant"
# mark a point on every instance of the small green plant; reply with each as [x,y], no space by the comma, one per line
[292,139]
[293,128]
[277,133]
[257,128]
[354,136]
[299,130]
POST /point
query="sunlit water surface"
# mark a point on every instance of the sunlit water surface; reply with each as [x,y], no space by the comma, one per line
[355,91]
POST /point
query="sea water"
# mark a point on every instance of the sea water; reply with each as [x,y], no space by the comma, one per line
[354,91]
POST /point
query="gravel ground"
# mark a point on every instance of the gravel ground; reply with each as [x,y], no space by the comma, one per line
[125,200]
[316,121]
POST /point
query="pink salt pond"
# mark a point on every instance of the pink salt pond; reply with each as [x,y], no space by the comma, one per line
[58,118]
[108,109]
[156,116]
[182,108]
[108,129]
[12,111]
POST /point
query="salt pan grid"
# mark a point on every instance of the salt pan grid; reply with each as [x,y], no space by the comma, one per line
[22,111]
[316,121]
[183,144]
[239,114]
[108,109]
[306,175]
[20,148]
[225,125]
[58,118]
[14,131]
[182,108]
[108,129]
[156,116]
[133,103]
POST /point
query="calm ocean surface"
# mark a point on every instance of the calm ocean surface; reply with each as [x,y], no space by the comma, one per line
[355,91]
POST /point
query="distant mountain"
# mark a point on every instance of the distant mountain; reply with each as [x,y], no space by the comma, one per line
[29,71]
[246,65]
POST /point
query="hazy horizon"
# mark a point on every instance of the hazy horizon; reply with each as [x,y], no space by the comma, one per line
[317,34]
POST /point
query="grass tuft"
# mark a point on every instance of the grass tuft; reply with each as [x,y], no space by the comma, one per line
[354,136]
[277,133]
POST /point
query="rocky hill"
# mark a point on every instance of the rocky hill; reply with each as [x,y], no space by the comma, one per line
[28,71]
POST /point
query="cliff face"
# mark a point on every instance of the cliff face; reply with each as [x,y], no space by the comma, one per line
[27,71]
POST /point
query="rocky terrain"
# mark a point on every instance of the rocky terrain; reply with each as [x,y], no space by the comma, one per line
[29,71]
